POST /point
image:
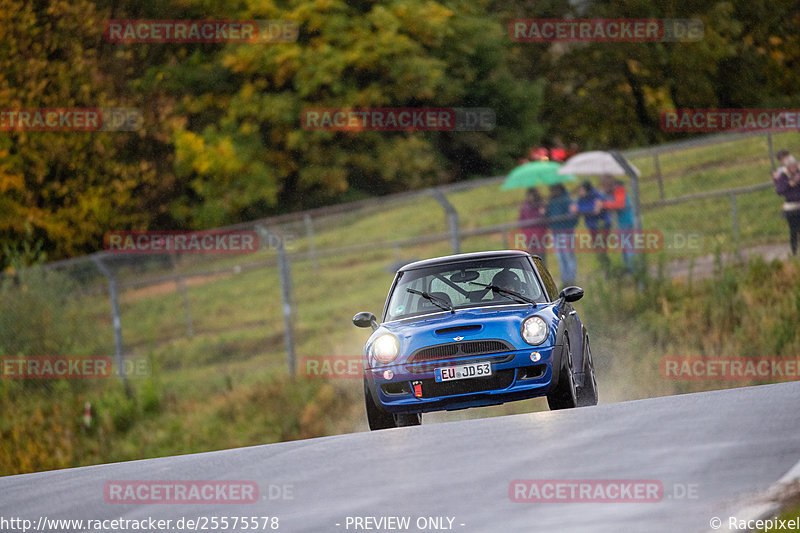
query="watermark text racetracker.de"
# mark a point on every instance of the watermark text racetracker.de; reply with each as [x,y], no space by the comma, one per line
[177,242]
[733,120]
[730,368]
[195,242]
[598,491]
[193,491]
[618,240]
[36,367]
[616,30]
[201,31]
[398,119]
[70,119]
[331,367]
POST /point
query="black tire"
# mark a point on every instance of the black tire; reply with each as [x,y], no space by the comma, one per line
[563,395]
[377,418]
[587,393]
[408,420]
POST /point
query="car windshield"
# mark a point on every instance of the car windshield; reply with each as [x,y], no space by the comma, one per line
[461,285]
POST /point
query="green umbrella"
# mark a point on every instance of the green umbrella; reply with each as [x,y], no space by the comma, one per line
[534,174]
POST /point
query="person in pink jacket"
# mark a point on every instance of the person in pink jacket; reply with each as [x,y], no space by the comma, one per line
[533,208]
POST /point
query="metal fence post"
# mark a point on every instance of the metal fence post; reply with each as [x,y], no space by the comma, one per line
[181,282]
[635,203]
[116,318]
[658,176]
[735,216]
[452,219]
[771,153]
[640,261]
[312,248]
[286,296]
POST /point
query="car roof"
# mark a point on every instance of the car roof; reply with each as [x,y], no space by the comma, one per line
[458,258]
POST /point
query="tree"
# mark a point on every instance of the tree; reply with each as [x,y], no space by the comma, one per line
[241,146]
[63,188]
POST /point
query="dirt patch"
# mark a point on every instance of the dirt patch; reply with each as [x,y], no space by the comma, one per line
[703,266]
[133,295]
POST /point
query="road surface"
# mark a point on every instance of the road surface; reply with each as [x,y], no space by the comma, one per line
[708,452]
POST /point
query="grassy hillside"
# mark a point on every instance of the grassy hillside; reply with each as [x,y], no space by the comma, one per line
[228,386]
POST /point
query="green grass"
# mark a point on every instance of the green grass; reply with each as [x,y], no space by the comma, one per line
[228,386]
[791,516]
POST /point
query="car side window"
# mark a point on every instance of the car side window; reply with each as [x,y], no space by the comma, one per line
[404,301]
[547,279]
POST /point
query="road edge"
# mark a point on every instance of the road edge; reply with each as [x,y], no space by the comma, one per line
[765,505]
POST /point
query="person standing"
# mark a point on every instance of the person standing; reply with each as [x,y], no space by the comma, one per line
[780,156]
[533,209]
[539,153]
[558,152]
[787,184]
[558,205]
[618,201]
[597,220]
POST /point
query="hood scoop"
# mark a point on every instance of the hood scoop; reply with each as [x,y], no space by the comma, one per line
[458,329]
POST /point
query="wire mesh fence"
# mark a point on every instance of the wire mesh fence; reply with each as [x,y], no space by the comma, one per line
[207,319]
[716,188]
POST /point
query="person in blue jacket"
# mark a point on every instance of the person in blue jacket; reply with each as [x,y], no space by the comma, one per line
[563,232]
[597,220]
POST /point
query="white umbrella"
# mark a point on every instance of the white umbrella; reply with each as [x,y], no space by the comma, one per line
[594,164]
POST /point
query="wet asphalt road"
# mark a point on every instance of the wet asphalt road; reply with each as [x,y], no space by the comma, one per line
[708,452]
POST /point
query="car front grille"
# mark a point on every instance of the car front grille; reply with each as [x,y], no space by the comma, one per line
[459,349]
[499,380]
[428,358]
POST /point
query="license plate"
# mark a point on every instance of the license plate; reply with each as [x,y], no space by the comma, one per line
[472,370]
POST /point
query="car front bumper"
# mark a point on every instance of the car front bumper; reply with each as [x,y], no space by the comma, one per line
[515,376]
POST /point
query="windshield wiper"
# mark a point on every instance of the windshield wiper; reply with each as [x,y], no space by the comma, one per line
[511,295]
[435,300]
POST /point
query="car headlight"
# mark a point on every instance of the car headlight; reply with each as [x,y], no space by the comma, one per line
[534,330]
[385,348]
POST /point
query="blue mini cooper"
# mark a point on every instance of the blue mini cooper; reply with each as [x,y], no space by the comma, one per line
[472,330]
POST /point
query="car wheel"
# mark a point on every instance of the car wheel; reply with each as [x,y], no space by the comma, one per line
[587,394]
[377,417]
[563,395]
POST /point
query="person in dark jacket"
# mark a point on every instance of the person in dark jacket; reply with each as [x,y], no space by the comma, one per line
[787,184]
[780,156]
[563,232]
[533,209]
[597,220]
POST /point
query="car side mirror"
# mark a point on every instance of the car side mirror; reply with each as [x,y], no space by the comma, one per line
[571,294]
[365,319]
